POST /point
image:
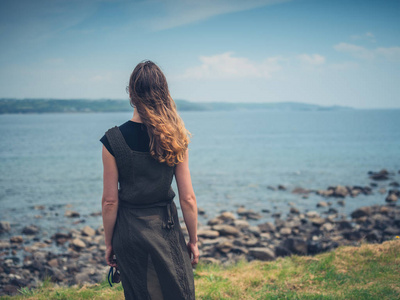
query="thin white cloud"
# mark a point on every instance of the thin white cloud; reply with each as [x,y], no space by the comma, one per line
[368,36]
[312,59]
[226,66]
[181,12]
[390,53]
[354,50]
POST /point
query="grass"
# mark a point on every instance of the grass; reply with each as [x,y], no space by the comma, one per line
[370,271]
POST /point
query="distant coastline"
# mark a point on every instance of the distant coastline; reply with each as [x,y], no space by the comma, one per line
[24,106]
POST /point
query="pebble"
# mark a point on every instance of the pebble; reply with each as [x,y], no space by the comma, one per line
[30,230]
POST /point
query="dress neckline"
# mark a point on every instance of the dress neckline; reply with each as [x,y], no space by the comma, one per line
[135,122]
[126,144]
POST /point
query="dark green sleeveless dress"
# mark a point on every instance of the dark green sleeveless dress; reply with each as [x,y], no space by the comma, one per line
[148,241]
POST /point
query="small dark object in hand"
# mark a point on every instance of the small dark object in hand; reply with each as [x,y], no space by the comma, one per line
[114,277]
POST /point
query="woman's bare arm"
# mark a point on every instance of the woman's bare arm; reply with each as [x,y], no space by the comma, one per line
[187,200]
[109,200]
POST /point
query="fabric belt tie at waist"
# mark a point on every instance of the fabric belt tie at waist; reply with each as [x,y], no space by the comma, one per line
[170,221]
[169,224]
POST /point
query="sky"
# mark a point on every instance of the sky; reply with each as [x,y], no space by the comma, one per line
[313,51]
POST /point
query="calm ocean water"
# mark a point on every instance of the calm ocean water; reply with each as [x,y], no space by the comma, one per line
[54,160]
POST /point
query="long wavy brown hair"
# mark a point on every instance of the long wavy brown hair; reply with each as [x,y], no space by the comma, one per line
[149,94]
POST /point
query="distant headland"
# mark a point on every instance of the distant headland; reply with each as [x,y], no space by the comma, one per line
[18,106]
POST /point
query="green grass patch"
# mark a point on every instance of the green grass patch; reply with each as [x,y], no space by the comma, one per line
[370,271]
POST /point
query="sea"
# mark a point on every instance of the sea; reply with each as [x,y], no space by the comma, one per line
[51,163]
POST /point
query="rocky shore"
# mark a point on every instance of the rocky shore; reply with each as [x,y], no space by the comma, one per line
[26,259]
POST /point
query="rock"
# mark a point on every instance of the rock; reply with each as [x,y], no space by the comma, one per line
[394,183]
[361,212]
[267,227]
[253,216]
[79,222]
[96,214]
[88,231]
[344,224]
[226,230]
[384,210]
[391,198]
[10,289]
[374,236]
[82,277]
[255,230]
[53,262]
[209,234]
[265,236]
[353,235]
[241,210]
[276,215]
[215,221]
[262,253]
[249,214]
[294,210]
[241,224]
[325,193]
[296,246]
[282,251]
[4,244]
[55,274]
[281,187]
[60,235]
[312,214]
[4,226]
[250,242]
[391,231]
[225,246]
[381,221]
[340,191]
[72,214]
[227,216]
[78,244]
[300,190]
[30,230]
[38,245]
[16,239]
[341,202]
[280,223]
[285,231]
[354,192]
[322,204]
[332,210]
[201,211]
[327,227]
[381,175]
[317,221]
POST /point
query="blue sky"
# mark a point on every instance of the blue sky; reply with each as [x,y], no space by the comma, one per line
[321,52]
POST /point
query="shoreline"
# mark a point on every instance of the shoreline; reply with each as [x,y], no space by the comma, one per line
[27,259]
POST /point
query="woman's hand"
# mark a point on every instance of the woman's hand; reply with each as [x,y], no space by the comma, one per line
[110,257]
[193,253]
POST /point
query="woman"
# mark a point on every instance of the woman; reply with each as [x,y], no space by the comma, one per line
[141,224]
